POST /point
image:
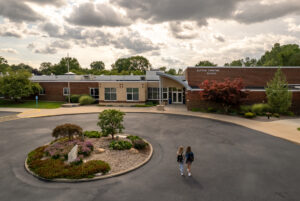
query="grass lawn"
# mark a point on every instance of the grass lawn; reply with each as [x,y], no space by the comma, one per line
[31,104]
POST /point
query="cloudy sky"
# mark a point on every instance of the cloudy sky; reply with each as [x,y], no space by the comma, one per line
[172,33]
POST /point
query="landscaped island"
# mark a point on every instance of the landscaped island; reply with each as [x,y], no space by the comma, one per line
[75,154]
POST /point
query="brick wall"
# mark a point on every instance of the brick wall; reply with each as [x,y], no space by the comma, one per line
[54,90]
[251,76]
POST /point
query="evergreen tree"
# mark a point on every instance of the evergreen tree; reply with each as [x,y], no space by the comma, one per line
[279,98]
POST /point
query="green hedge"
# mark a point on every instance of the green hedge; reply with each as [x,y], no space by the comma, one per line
[55,168]
[249,115]
[92,134]
[120,145]
[86,100]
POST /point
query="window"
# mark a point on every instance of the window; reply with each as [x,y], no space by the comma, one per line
[132,94]
[42,92]
[94,92]
[153,93]
[66,91]
[110,94]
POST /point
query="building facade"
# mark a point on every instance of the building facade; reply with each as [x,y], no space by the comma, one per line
[160,87]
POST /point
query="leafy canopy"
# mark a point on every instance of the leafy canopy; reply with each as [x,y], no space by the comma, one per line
[279,98]
[17,85]
[111,122]
[205,63]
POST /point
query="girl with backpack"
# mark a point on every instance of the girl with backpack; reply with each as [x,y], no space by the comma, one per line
[180,159]
[189,156]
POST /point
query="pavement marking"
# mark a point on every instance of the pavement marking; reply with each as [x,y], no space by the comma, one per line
[8,118]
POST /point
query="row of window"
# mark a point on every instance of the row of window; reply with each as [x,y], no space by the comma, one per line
[110,94]
[132,94]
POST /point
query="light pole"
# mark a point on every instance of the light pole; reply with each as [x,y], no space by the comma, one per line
[68,78]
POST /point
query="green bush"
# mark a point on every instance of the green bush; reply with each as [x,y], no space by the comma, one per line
[289,113]
[55,168]
[92,134]
[150,103]
[120,145]
[111,122]
[276,115]
[133,138]
[142,106]
[211,109]
[67,130]
[86,100]
[298,129]
[139,144]
[249,115]
[245,108]
[261,108]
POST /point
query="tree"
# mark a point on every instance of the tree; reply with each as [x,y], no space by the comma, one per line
[243,62]
[281,56]
[171,71]
[3,60]
[17,85]
[279,98]
[62,67]
[205,63]
[46,68]
[163,68]
[4,67]
[110,122]
[180,71]
[228,93]
[98,65]
[136,63]
[67,130]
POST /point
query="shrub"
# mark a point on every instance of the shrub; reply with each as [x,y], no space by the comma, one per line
[67,130]
[133,138]
[139,144]
[211,109]
[75,98]
[249,115]
[150,103]
[60,149]
[289,113]
[276,115]
[55,168]
[111,122]
[245,108]
[92,134]
[261,108]
[228,93]
[86,100]
[298,129]
[120,145]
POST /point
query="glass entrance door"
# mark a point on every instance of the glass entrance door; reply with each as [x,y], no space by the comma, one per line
[177,97]
[94,92]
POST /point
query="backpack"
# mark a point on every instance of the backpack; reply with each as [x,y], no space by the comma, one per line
[190,157]
[180,158]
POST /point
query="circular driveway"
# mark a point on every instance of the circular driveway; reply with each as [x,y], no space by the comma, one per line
[232,163]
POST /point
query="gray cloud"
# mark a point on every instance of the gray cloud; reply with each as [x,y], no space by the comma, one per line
[18,11]
[135,43]
[176,10]
[219,38]
[48,2]
[9,50]
[182,31]
[46,50]
[97,15]
[172,61]
[60,44]
[253,12]
[10,33]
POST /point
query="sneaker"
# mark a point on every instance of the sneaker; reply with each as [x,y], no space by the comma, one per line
[189,174]
[181,174]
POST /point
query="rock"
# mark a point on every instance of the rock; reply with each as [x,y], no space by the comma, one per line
[99,151]
[122,136]
[133,151]
[72,155]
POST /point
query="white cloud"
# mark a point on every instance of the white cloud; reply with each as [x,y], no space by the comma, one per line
[9,50]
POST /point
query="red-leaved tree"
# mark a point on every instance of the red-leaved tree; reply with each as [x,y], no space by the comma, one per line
[227,93]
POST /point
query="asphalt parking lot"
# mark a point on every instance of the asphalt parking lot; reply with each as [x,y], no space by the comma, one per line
[232,163]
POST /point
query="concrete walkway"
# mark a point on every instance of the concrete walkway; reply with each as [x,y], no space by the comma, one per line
[286,129]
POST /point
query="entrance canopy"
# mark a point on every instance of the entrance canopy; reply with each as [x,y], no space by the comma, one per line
[177,79]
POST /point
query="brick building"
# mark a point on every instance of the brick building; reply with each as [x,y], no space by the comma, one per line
[137,89]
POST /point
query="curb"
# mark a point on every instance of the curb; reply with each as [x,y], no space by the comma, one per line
[94,178]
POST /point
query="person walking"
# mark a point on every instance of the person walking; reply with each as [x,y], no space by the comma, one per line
[189,156]
[180,159]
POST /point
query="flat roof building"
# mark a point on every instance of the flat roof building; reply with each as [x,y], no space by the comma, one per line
[138,89]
